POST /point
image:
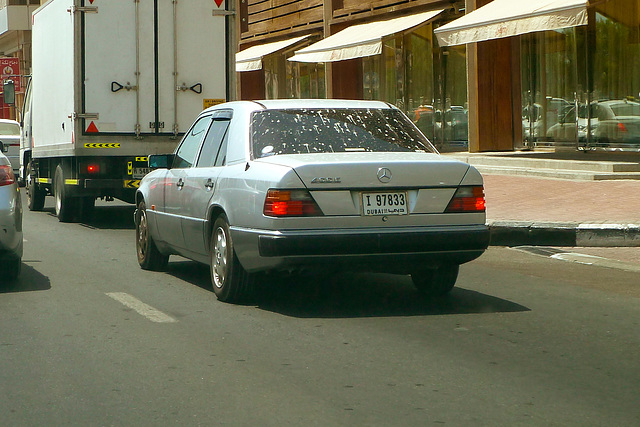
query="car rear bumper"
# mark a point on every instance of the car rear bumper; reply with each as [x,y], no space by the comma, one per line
[385,248]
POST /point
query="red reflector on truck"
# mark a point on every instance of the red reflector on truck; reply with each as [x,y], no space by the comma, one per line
[92,128]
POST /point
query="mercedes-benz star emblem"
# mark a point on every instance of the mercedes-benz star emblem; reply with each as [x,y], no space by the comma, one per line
[384,175]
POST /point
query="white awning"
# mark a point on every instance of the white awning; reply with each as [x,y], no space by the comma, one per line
[504,18]
[250,59]
[359,40]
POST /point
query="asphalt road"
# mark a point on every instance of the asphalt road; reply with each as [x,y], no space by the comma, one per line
[88,338]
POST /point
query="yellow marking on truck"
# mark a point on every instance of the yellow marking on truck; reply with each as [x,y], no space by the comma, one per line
[142,159]
[131,183]
[43,180]
[72,181]
[102,145]
[130,168]
[206,103]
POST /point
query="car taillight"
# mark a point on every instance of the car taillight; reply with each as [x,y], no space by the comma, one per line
[290,203]
[622,127]
[6,175]
[467,199]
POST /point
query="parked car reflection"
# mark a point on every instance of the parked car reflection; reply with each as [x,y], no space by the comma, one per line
[537,119]
[570,130]
[456,125]
[618,124]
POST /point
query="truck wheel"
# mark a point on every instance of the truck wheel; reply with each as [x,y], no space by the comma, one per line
[231,282]
[149,257]
[35,194]
[66,207]
[438,281]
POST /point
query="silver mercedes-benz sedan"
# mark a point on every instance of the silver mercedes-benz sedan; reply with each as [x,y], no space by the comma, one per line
[10,221]
[288,185]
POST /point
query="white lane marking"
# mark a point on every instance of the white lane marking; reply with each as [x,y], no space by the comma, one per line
[141,308]
[595,260]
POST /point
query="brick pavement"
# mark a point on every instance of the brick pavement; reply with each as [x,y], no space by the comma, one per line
[520,198]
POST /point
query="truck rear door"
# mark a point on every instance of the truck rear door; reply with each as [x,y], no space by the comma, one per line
[151,67]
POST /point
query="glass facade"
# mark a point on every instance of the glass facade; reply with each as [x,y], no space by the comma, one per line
[288,79]
[428,83]
[581,86]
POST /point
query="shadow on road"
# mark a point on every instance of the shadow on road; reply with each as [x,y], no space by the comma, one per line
[29,280]
[346,295]
[118,217]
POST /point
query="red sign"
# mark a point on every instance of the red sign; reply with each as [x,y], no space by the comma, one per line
[10,69]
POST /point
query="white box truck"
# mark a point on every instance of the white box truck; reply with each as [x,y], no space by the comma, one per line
[113,81]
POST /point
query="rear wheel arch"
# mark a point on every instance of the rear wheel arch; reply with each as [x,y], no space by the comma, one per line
[215,211]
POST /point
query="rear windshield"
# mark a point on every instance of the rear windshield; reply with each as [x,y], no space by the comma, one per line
[334,131]
[9,129]
[626,109]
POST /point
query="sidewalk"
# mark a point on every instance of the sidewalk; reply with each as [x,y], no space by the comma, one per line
[596,215]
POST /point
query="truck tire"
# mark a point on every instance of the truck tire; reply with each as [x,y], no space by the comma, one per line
[65,207]
[149,257]
[438,281]
[35,194]
[231,282]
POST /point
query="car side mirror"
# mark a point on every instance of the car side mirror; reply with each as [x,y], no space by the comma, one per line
[3,149]
[9,92]
[160,161]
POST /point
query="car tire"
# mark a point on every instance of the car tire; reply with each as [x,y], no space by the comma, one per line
[438,281]
[231,282]
[35,194]
[149,257]
[65,206]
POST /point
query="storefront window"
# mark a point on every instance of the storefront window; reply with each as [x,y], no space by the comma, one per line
[550,83]
[305,80]
[288,79]
[581,86]
[433,93]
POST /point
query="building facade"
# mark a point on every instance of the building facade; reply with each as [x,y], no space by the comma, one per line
[574,85]
[15,43]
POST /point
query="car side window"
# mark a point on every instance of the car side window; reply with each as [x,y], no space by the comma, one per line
[212,143]
[188,149]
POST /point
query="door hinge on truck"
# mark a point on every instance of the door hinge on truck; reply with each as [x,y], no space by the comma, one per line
[86,116]
[86,9]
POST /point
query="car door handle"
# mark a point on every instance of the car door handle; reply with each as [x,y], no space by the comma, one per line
[180,183]
[209,184]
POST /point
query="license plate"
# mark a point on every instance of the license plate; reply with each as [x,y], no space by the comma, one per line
[139,173]
[387,203]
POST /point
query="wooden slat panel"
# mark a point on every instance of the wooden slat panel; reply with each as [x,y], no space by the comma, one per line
[259,6]
[283,10]
[350,6]
[289,21]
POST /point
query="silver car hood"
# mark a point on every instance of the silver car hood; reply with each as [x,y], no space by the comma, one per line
[361,170]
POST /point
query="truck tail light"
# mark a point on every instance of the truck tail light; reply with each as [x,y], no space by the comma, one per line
[281,203]
[6,175]
[467,199]
[93,169]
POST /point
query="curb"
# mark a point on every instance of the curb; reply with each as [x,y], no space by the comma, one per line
[530,233]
